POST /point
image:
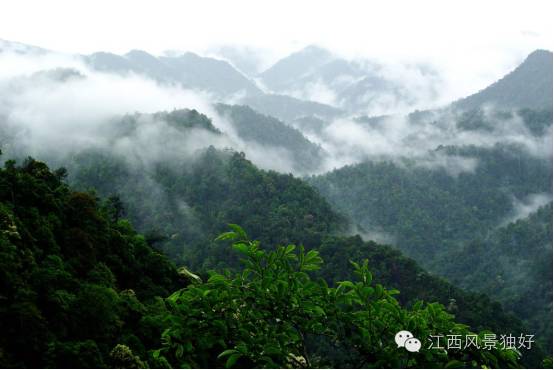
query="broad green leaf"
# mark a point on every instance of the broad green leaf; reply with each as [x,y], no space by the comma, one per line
[232,360]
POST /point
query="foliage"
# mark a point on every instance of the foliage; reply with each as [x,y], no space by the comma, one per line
[446,222]
[79,287]
[514,264]
[191,203]
[272,312]
[183,207]
[73,281]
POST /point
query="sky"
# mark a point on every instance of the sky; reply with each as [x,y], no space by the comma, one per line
[475,42]
[367,27]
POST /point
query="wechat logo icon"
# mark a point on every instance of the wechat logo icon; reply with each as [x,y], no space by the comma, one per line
[406,339]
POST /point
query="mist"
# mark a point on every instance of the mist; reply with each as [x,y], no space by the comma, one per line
[348,141]
[524,207]
[53,105]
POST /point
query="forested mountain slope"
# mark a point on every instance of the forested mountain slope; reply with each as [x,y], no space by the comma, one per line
[75,280]
[267,131]
[81,288]
[430,214]
[194,202]
[181,198]
[288,108]
[514,265]
[427,199]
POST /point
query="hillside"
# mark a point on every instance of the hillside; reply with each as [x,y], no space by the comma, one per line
[514,265]
[352,85]
[296,217]
[428,213]
[221,188]
[76,280]
[90,294]
[189,70]
[527,86]
[287,108]
[267,131]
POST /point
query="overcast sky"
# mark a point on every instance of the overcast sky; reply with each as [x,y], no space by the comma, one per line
[478,41]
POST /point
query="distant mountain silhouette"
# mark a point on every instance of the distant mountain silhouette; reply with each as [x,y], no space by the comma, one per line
[190,70]
[351,85]
[527,86]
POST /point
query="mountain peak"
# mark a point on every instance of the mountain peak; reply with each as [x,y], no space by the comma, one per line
[539,57]
[139,54]
[315,50]
[540,53]
[294,65]
[529,85]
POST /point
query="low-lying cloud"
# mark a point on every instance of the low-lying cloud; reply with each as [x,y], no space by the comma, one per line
[349,141]
[524,207]
[54,104]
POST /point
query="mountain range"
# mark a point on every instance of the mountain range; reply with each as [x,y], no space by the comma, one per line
[451,204]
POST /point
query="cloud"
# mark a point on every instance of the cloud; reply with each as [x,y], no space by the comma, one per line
[317,91]
[54,104]
[522,208]
[348,141]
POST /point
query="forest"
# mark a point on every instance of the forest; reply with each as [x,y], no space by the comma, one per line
[82,288]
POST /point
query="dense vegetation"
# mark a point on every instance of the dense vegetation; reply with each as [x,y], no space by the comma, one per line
[80,288]
[267,131]
[427,209]
[184,207]
[193,202]
[274,314]
[520,277]
[75,280]
[433,216]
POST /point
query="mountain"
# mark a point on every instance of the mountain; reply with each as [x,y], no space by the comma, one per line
[283,74]
[513,264]
[19,48]
[223,187]
[189,70]
[245,59]
[430,214]
[269,132]
[313,72]
[182,201]
[450,206]
[355,86]
[213,76]
[80,288]
[76,279]
[527,86]
[288,109]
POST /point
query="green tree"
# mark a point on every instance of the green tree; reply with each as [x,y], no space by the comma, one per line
[272,313]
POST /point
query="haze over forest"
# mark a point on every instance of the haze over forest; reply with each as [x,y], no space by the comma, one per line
[370,187]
